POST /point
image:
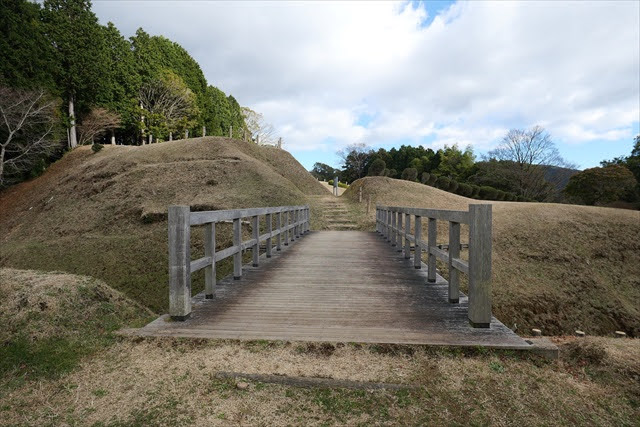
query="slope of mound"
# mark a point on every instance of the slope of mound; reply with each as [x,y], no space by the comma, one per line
[50,320]
[103,214]
[557,267]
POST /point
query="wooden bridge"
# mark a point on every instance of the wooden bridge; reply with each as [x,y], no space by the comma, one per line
[337,286]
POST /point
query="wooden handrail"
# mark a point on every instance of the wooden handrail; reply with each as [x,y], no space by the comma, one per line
[294,226]
[479,217]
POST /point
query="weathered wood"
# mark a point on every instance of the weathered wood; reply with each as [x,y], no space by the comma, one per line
[278,227]
[200,218]
[287,231]
[179,262]
[311,292]
[417,253]
[400,233]
[445,215]
[439,253]
[407,230]
[432,239]
[454,252]
[394,232]
[480,265]
[269,220]
[460,265]
[210,252]
[237,241]
[255,229]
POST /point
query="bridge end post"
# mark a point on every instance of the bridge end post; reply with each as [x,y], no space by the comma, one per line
[407,231]
[454,252]
[179,262]
[255,249]
[480,231]
[278,227]
[400,232]
[237,242]
[269,220]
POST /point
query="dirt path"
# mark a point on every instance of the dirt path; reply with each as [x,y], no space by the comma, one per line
[330,188]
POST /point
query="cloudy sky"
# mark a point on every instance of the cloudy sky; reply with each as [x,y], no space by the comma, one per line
[328,74]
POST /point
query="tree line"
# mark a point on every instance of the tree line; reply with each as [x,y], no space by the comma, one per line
[91,84]
[525,166]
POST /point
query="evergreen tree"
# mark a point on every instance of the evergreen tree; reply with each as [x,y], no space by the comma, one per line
[80,54]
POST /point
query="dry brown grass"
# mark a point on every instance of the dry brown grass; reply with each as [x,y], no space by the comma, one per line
[103,215]
[174,382]
[556,267]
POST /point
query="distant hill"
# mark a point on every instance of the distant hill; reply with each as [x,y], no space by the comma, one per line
[103,215]
[559,177]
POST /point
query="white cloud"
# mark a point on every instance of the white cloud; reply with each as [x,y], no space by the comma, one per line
[478,69]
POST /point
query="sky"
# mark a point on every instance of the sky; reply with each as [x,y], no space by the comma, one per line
[330,74]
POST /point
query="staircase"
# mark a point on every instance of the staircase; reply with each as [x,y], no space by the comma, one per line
[336,215]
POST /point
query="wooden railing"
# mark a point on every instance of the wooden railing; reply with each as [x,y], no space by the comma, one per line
[389,223]
[291,223]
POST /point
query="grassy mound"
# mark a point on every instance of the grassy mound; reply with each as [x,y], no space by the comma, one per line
[556,267]
[51,320]
[104,214]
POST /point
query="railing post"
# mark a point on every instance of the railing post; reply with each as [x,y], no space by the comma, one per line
[286,227]
[400,232]
[480,265]
[279,228]
[407,231]
[210,251]
[237,242]
[179,262]
[377,220]
[269,220]
[255,229]
[394,215]
[454,252]
[431,258]
[388,225]
[417,253]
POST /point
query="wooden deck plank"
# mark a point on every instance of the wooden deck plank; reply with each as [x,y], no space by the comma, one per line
[348,286]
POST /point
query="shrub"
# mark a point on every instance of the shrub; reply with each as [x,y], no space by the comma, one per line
[377,168]
[453,186]
[510,197]
[96,147]
[500,195]
[475,191]
[443,183]
[391,173]
[465,190]
[600,186]
[521,198]
[410,174]
[425,177]
[488,193]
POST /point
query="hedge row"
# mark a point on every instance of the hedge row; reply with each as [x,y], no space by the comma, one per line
[469,190]
[340,184]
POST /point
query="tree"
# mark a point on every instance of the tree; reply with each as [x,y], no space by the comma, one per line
[377,167]
[600,186]
[95,124]
[525,153]
[27,131]
[168,104]
[455,163]
[324,172]
[27,57]
[261,131]
[80,54]
[355,159]
[410,174]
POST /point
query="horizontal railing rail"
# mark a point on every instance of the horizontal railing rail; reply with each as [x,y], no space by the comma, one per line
[394,223]
[291,222]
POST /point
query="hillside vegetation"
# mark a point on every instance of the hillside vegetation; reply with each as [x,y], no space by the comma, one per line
[104,215]
[556,267]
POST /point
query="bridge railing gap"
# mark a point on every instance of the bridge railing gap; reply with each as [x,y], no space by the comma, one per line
[389,224]
[294,226]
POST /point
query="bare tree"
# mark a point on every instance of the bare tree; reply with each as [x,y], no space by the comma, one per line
[27,130]
[261,131]
[169,103]
[354,160]
[96,123]
[528,154]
